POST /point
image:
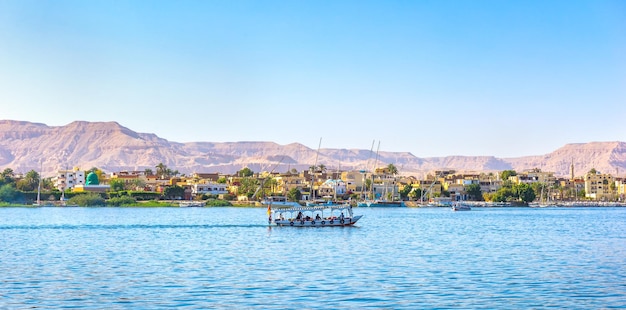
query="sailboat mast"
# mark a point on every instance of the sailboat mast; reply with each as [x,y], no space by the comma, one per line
[315,167]
[39,185]
[375,164]
[367,167]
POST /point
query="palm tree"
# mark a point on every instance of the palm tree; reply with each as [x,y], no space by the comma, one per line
[392,169]
[161,170]
[322,168]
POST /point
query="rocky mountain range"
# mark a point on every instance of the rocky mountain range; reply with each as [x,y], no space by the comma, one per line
[26,146]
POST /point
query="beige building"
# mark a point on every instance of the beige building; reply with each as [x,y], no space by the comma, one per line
[600,186]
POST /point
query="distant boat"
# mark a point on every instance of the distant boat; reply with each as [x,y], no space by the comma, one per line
[460,207]
[278,201]
[382,204]
[191,204]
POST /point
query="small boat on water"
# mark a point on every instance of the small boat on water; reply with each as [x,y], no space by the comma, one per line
[313,216]
[279,201]
[460,207]
[191,204]
[381,204]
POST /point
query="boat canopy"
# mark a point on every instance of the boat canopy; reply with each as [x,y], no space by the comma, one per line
[311,208]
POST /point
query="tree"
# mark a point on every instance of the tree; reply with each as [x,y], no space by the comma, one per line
[148,172]
[245,172]
[504,194]
[404,193]
[270,185]
[525,193]
[162,171]
[30,182]
[173,192]
[474,191]
[416,193]
[7,176]
[248,187]
[294,194]
[392,169]
[504,175]
[593,171]
[8,193]
[116,185]
[137,184]
[322,168]
[221,180]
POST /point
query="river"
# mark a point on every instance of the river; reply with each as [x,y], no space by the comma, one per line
[397,258]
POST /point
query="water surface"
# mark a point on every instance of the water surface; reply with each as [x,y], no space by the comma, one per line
[394,258]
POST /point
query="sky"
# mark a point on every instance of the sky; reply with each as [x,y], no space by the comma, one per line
[433,78]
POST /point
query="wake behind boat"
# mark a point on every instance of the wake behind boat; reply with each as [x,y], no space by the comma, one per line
[313,216]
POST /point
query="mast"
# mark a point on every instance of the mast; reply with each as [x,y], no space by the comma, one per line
[315,167]
[366,169]
[375,164]
[39,185]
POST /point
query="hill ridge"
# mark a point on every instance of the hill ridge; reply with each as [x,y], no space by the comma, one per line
[111,146]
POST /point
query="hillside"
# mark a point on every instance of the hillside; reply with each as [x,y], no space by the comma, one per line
[112,147]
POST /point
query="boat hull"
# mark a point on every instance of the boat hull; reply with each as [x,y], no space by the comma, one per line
[461,208]
[319,223]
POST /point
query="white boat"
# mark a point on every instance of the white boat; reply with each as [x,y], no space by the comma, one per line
[460,207]
[279,201]
[189,204]
[382,204]
[314,216]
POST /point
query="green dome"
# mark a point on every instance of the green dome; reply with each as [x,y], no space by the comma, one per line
[92,179]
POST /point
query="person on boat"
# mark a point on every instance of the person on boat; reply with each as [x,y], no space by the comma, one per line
[317,217]
[299,217]
[341,217]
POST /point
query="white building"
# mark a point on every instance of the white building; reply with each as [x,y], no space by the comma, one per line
[67,179]
[209,189]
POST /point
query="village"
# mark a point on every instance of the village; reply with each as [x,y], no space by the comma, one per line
[383,183]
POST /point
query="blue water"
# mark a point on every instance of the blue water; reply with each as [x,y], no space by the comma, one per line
[404,258]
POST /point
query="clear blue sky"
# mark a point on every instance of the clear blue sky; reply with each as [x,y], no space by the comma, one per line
[434,78]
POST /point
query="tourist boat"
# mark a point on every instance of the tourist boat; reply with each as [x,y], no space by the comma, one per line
[460,207]
[314,216]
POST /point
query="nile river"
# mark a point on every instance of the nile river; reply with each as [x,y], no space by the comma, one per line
[405,258]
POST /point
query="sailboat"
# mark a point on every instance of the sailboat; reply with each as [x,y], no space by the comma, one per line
[379,202]
[38,203]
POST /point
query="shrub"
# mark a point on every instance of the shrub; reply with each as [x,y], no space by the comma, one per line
[218,203]
[87,200]
[229,197]
[120,201]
